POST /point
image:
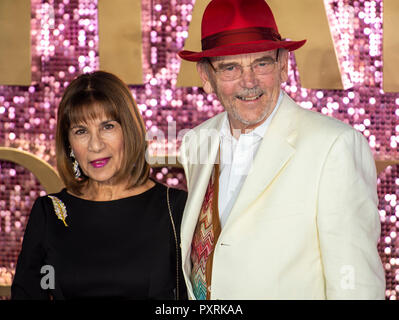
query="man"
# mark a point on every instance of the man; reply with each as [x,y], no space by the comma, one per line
[282,201]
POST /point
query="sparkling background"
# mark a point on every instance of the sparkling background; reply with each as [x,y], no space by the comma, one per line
[65,44]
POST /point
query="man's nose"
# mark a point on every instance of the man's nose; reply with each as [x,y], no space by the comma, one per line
[248,78]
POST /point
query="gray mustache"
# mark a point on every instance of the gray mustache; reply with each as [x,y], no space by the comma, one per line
[250,92]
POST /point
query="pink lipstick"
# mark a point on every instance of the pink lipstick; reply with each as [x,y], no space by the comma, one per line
[99,163]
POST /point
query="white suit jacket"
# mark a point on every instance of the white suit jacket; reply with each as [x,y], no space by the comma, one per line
[305,224]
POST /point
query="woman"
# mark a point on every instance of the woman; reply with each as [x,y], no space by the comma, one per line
[110,232]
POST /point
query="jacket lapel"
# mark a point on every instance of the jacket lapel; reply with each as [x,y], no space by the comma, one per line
[205,144]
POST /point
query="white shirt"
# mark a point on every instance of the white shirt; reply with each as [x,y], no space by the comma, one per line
[236,158]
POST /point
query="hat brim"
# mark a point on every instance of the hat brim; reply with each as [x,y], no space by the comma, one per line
[241,48]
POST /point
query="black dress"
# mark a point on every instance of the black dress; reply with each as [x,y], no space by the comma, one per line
[119,249]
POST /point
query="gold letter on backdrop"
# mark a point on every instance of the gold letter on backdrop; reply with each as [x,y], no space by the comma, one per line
[316,60]
[390,46]
[45,173]
[188,76]
[299,19]
[15,57]
[119,33]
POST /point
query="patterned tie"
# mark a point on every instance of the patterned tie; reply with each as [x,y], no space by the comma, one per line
[205,237]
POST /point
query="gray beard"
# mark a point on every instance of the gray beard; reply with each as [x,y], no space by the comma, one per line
[247,123]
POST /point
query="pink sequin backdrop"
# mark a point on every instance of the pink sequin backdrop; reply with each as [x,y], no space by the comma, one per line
[65,44]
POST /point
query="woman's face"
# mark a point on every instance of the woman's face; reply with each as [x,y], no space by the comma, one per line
[98,147]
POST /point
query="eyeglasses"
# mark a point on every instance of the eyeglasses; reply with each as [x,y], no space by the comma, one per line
[233,71]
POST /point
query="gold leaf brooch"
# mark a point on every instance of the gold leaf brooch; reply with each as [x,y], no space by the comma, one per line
[59,208]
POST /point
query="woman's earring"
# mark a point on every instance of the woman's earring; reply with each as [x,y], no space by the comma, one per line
[75,164]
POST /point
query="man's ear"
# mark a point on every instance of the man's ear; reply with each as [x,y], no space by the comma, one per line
[204,75]
[284,65]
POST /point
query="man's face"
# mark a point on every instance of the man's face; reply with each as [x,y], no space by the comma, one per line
[251,98]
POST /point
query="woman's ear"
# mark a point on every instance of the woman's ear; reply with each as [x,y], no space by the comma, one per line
[204,75]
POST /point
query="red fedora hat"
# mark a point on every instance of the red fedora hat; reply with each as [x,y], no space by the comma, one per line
[232,27]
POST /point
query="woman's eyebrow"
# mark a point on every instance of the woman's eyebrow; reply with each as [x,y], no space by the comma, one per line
[77,126]
[82,125]
[106,121]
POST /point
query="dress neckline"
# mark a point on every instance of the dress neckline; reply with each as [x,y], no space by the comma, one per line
[136,196]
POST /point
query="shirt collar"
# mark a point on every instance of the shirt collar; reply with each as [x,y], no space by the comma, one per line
[259,130]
